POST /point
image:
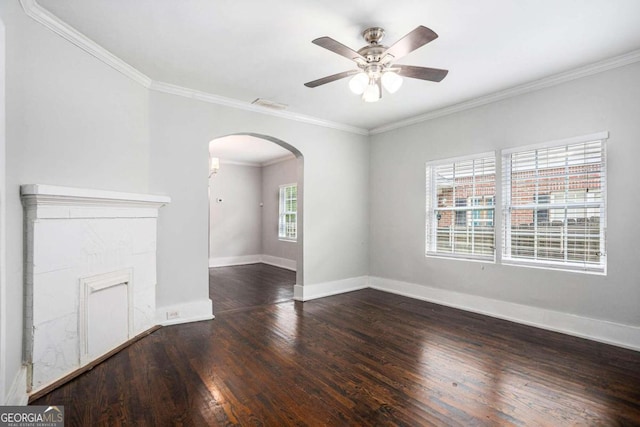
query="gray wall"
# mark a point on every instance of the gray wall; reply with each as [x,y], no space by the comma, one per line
[74,121]
[181,129]
[3,227]
[604,102]
[273,176]
[239,226]
[70,120]
[236,222]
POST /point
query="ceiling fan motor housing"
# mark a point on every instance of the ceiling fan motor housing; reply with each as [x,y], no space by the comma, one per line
[374,51]
[373,35]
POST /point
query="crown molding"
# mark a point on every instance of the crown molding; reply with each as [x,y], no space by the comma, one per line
[556,79]
[238,163]
[241,105]
[55,24]
[44,17]
[258,164]
[278,160]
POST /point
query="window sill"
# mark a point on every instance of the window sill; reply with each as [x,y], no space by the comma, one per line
[520,263]
[599,271]
[282,239]
[488,260]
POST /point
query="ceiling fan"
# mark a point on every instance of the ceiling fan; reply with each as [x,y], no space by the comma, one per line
[376,67]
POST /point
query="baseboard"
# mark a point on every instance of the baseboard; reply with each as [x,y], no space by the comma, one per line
[234,260]
[17,395]
[289,264]
[321,290]
[286,263]
[617,334]
[193,311]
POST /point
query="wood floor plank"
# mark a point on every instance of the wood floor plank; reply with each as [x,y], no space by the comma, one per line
[362,358]
[247,286]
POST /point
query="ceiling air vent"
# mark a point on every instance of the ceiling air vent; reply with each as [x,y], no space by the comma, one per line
[269,104]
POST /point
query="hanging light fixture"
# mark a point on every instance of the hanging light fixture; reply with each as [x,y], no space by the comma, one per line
[391,81]
[359,83]
[368,83]
[372,92]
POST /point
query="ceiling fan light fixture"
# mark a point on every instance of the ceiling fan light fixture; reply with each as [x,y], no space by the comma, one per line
[376,63]
[359,83]
[372,92]
[391,81]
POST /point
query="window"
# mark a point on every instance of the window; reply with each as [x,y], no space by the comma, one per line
[288,218]
[555,205]
[482,217]
[461,215]
[542,215]
[460,207]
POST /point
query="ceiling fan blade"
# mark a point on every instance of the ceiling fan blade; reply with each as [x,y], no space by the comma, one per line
[422,73]
[331,78]
[339,48]
[415,39]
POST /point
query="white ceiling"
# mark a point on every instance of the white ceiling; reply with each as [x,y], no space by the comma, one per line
[262,49]
[246,149]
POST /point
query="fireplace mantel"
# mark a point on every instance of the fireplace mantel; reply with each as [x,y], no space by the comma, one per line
[51,201]
[76,239]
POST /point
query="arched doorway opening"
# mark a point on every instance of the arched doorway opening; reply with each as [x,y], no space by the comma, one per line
[256,199]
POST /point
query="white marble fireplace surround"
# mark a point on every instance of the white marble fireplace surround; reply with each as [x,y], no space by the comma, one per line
[90,275]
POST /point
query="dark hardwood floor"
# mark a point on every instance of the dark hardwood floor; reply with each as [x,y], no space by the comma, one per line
[364,358]
[245,286]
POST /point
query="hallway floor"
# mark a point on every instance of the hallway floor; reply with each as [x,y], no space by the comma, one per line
[244,286]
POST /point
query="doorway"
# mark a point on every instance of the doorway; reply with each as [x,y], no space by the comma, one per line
[255,221]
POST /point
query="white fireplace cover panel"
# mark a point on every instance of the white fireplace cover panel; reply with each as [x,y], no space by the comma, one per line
[106,307]
[73,234]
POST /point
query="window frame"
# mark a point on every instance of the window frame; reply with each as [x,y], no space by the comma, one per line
[432,210]
[548,204]
[283,236]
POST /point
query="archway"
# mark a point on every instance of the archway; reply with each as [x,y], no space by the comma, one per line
[256,203]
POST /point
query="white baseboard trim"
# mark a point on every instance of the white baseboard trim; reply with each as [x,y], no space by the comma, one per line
[234,260]
[17,395]
[289,264]
[617,334]
[187,312]
[321,290]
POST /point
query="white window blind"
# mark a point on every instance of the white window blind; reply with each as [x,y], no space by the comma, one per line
[555,204]
[461,207]
[288,218]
